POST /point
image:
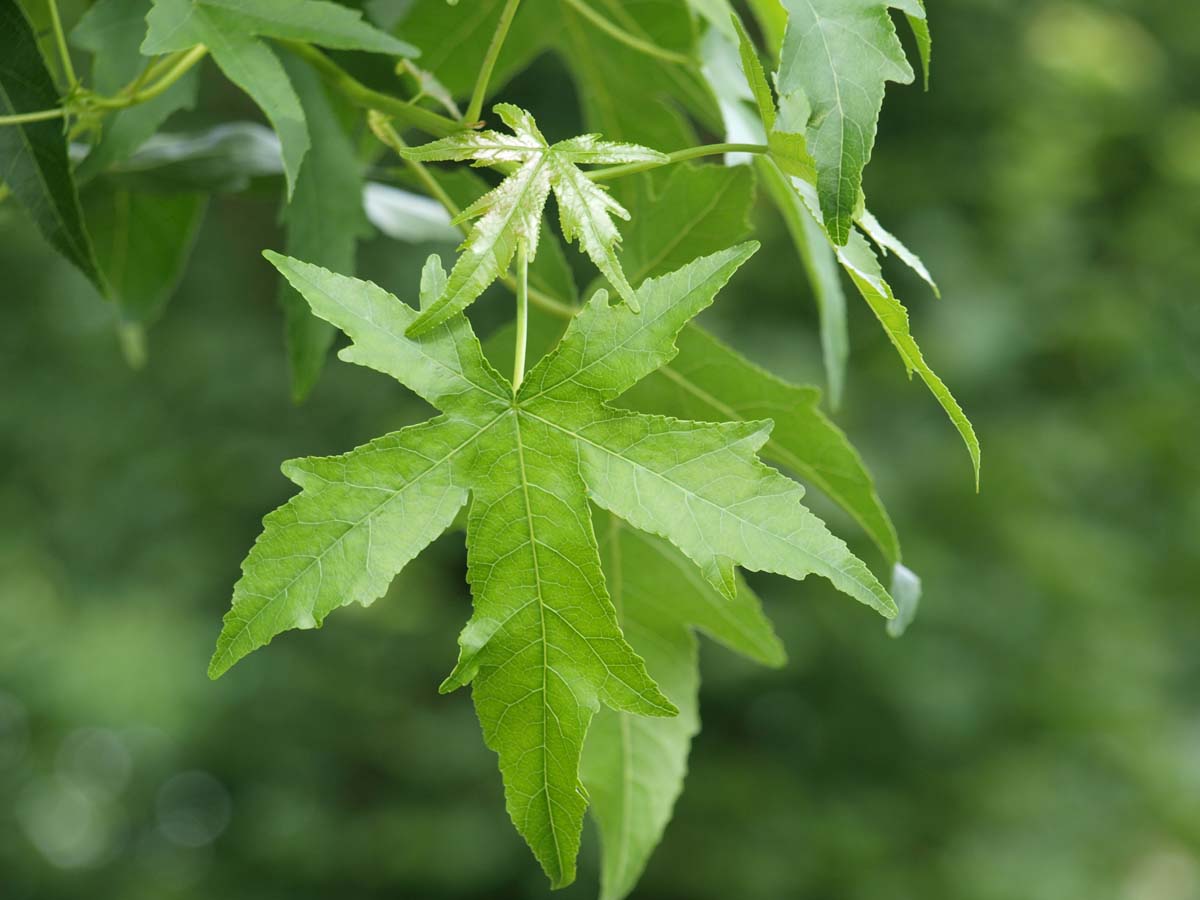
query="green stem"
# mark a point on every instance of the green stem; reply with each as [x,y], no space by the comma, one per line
[39,116]
[616,32]
[61,41]
[475,107]
[182,62]
[522,316]
[677,156]
[365,98]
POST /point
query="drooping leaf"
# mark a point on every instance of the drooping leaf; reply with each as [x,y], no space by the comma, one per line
[113,30]
[708,380]
[231,30]
[143,242]
[33,155]
[324,221]
[511,214]
[633,766]
[543,648]
[820,264]
[839,54]
[905,589]
[886,241]
[861,264]
[226,157]
[914,11]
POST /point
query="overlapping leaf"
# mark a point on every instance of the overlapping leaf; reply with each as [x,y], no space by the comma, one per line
[324,222]
[231,29]
[634,766]
[838,55]
[33,155]
[511,214]
[543,649]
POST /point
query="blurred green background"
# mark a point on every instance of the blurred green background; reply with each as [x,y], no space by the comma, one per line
[1035,735]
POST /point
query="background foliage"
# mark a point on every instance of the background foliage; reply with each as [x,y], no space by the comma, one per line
[1035,734]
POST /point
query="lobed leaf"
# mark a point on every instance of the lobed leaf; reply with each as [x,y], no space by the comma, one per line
[544,648]
[510,215]
[839,54]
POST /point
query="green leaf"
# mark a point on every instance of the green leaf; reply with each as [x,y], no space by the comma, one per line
[511,214]
[226,157]
[324,222]
[543,649]
[838,54]
[718,14]
[915,13]
[683,212]
[696,209]
[886,241]
[549,271]
[231,30]
[820,264]
[112,30]
[33,155]
[710,381]
[143,242]
[178,24]
[863,266]
[634,766]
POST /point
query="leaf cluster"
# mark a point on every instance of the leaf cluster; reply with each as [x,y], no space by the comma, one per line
[611,491]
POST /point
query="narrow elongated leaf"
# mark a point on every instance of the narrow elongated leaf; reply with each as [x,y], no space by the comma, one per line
[886,241]
[33,155]
[634,767]
[839,54]
[511,214]
[820,264]
[543,649]
[862,265]
[113,30]
[915,13]
[324,221]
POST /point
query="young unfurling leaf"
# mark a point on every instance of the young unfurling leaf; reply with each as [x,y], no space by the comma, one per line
[543,649]
[511,214]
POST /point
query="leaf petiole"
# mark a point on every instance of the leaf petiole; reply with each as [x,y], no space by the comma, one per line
[40,116]
[368,99]
[60,41]
[475,106]
[176,67]
[677,156]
